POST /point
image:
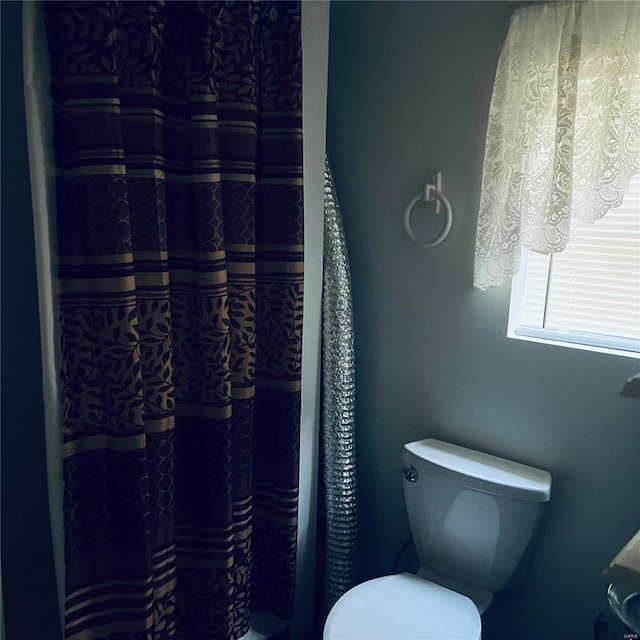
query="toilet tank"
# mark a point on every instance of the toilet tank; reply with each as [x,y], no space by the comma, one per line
[473,516]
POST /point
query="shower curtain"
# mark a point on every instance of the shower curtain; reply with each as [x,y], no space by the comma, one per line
[177,134]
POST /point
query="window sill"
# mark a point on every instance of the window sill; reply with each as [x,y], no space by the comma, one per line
[585,342]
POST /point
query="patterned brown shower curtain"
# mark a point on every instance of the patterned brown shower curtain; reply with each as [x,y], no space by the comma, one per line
[178,143]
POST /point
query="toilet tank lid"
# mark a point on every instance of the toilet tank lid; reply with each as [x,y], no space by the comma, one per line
[477,470]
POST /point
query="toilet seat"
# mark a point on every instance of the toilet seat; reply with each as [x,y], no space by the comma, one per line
[402,607]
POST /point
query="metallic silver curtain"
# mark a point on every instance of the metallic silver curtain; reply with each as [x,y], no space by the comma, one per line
[338,405]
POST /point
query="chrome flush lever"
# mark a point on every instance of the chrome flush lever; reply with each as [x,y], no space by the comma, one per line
[410,474]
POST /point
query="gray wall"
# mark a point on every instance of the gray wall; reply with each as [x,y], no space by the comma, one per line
[409,89]
[28,581]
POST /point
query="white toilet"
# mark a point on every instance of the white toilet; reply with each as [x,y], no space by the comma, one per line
[473,518]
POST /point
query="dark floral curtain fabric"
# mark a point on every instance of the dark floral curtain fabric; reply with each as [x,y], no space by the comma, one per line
[178,138]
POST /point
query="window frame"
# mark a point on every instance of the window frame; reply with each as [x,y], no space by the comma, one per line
[518,329]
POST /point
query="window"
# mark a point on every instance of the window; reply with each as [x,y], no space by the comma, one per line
[587,296]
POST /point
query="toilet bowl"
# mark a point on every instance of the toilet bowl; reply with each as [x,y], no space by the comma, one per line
[473,518]
[402,607]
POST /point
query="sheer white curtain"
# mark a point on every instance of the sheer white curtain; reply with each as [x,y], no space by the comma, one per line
[563,137]
[42,171]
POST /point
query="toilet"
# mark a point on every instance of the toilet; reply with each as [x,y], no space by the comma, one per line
[473,518]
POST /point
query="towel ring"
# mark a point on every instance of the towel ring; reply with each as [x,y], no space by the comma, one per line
[430,193]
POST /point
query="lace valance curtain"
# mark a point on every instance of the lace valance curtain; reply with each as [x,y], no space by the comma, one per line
[563,136]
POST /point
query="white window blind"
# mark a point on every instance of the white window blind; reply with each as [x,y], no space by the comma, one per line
[589,294]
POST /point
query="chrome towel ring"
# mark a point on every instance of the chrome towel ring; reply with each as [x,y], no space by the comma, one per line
[431,193]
